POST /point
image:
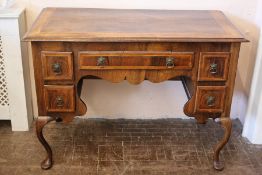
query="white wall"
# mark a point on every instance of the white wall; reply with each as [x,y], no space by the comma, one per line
[241,12]
[123,100]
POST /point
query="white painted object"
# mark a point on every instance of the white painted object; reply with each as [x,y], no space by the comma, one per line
[253,124]
[15,85]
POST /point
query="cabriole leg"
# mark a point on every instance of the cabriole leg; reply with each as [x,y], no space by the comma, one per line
[40,123]
[226,123]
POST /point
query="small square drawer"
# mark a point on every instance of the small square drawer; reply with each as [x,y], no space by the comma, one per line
[57,65]
[210,99]
[213,66]
[59,98]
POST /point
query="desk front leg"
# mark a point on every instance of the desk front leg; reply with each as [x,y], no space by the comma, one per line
[227,125]
[40,123]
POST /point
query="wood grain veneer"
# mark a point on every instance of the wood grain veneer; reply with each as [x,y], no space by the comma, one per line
[70,44]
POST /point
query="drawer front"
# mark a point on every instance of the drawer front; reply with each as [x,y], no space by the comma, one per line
[210,99]
[213,66]
[135,60]
[57,65]
[59,98]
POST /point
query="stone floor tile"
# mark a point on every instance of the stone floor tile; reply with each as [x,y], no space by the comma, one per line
[128,147]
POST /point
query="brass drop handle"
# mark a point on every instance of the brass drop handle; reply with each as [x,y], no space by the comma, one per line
[60,101]
[57,68]
[170,62]
[211,101]
[101,61]
[213,68]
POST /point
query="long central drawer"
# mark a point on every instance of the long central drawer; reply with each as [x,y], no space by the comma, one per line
[135,60]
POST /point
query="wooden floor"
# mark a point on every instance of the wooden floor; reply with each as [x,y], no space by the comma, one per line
[128,147]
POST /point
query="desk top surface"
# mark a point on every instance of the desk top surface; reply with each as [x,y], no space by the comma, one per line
[112,25]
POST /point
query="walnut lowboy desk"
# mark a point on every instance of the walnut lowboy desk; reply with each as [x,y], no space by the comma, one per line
[200,48]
